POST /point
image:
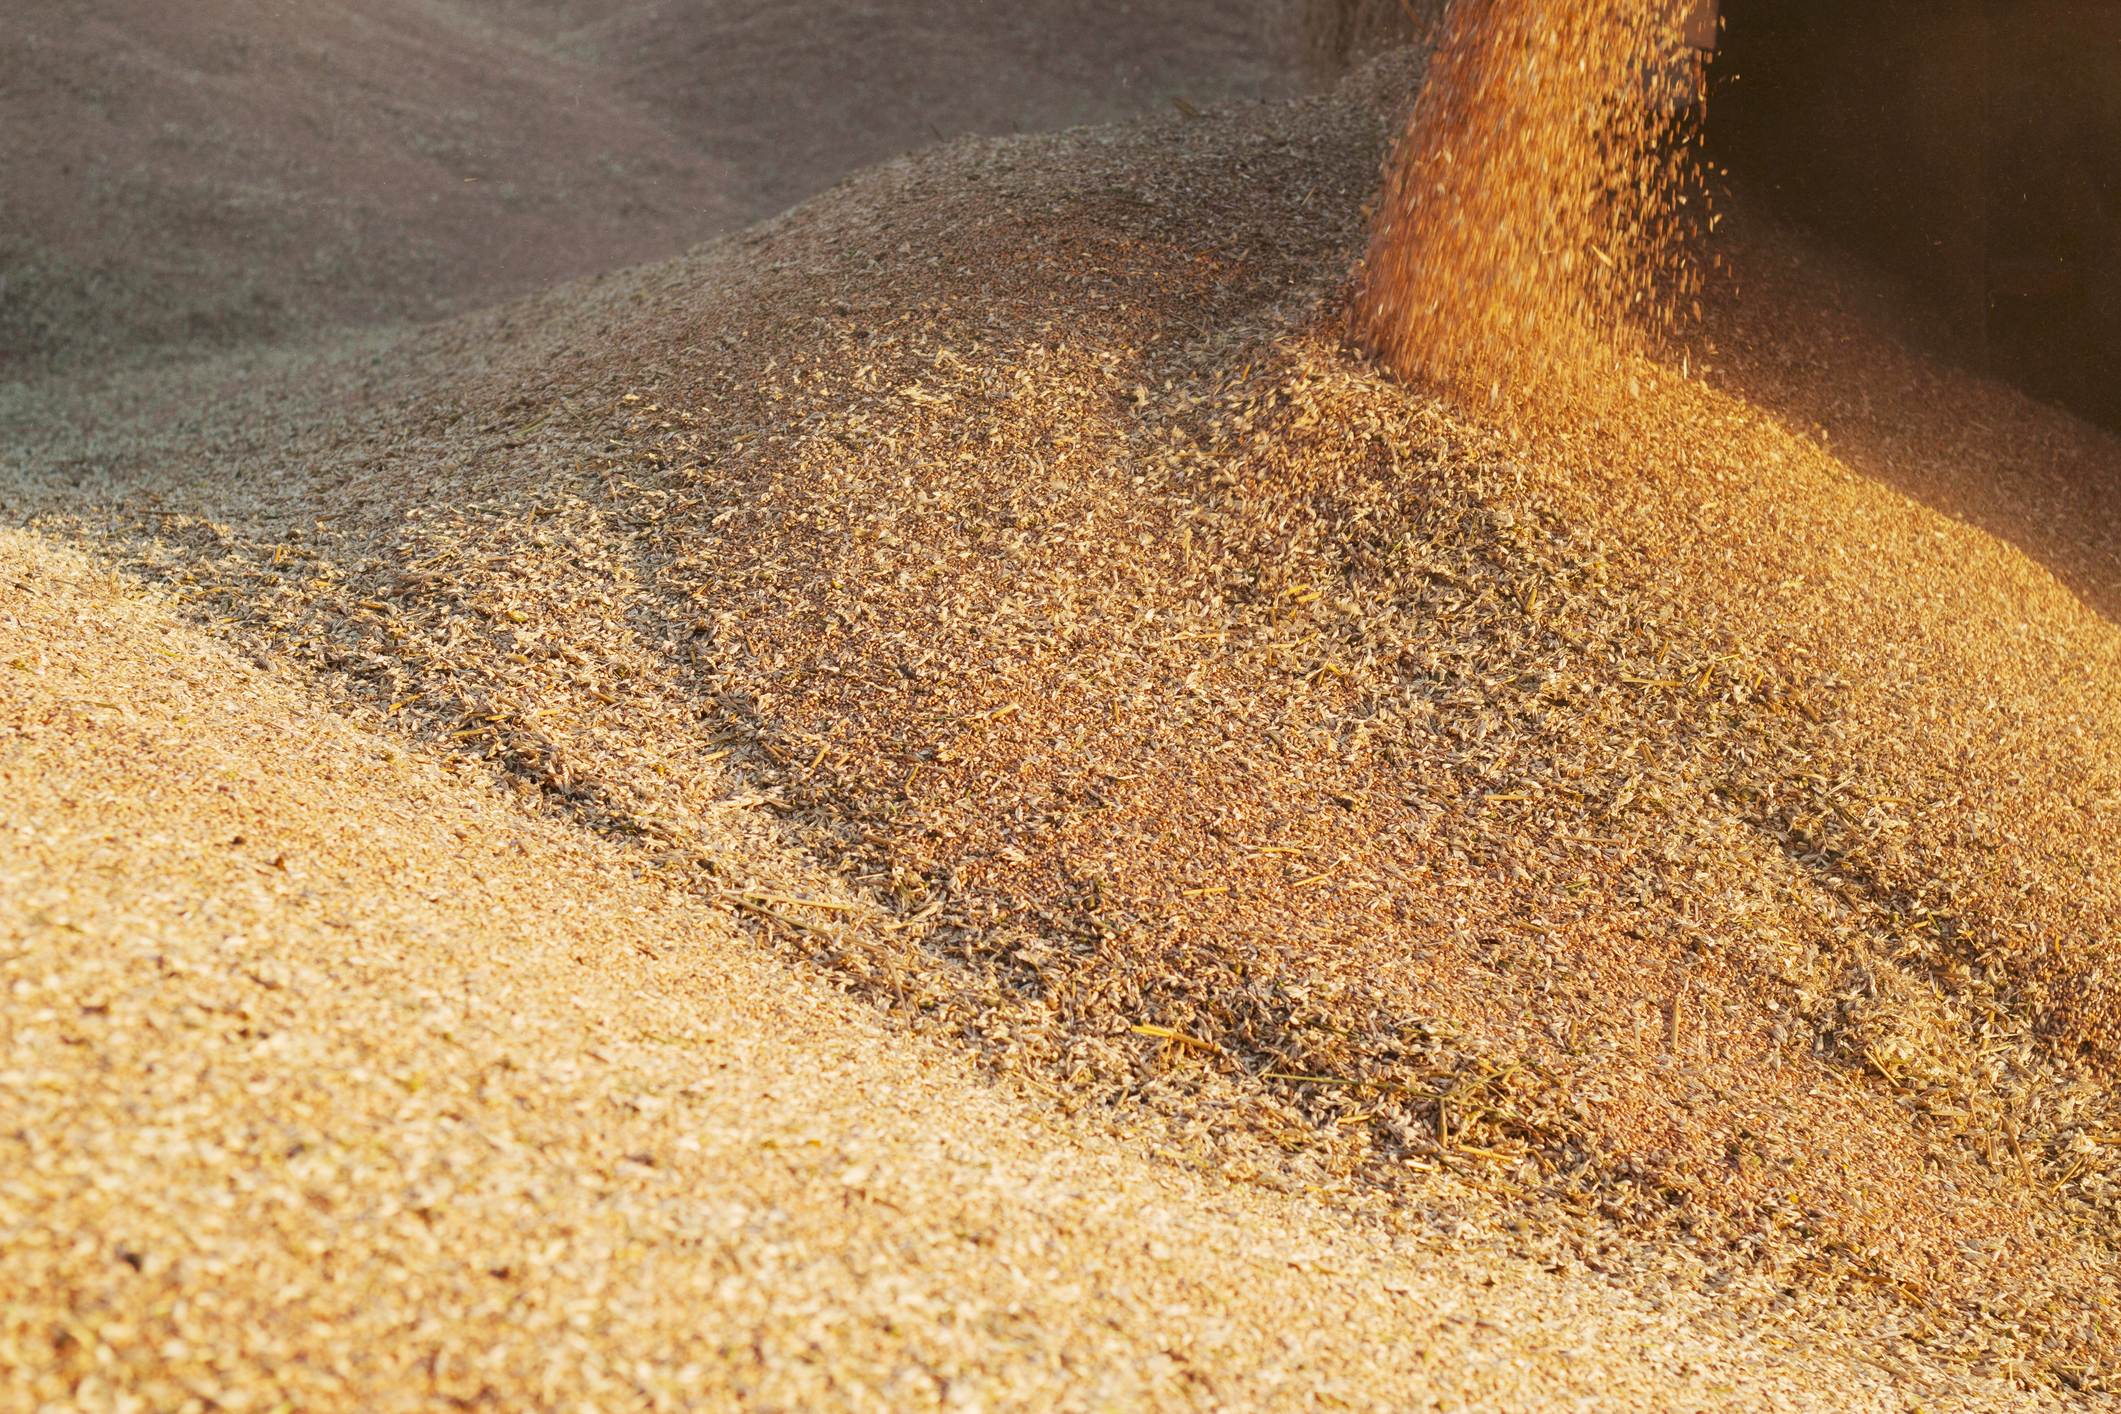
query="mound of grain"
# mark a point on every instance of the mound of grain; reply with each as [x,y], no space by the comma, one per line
[1650,835]
[332,1079]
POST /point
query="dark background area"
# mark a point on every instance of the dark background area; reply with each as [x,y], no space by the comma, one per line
[1972,150]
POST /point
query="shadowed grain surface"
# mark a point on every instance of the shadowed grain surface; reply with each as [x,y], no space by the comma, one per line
[195,177]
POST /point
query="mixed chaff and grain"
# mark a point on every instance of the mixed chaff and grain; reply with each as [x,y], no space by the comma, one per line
[1000,581]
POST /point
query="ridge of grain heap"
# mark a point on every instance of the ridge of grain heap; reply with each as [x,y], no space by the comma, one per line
[1527,226]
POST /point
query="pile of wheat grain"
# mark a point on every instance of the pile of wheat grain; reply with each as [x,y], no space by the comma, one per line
[1652,834]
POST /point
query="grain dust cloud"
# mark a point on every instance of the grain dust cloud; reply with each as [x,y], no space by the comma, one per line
[1530,228]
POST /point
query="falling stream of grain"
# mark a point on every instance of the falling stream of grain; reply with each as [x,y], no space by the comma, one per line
[1526,232]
